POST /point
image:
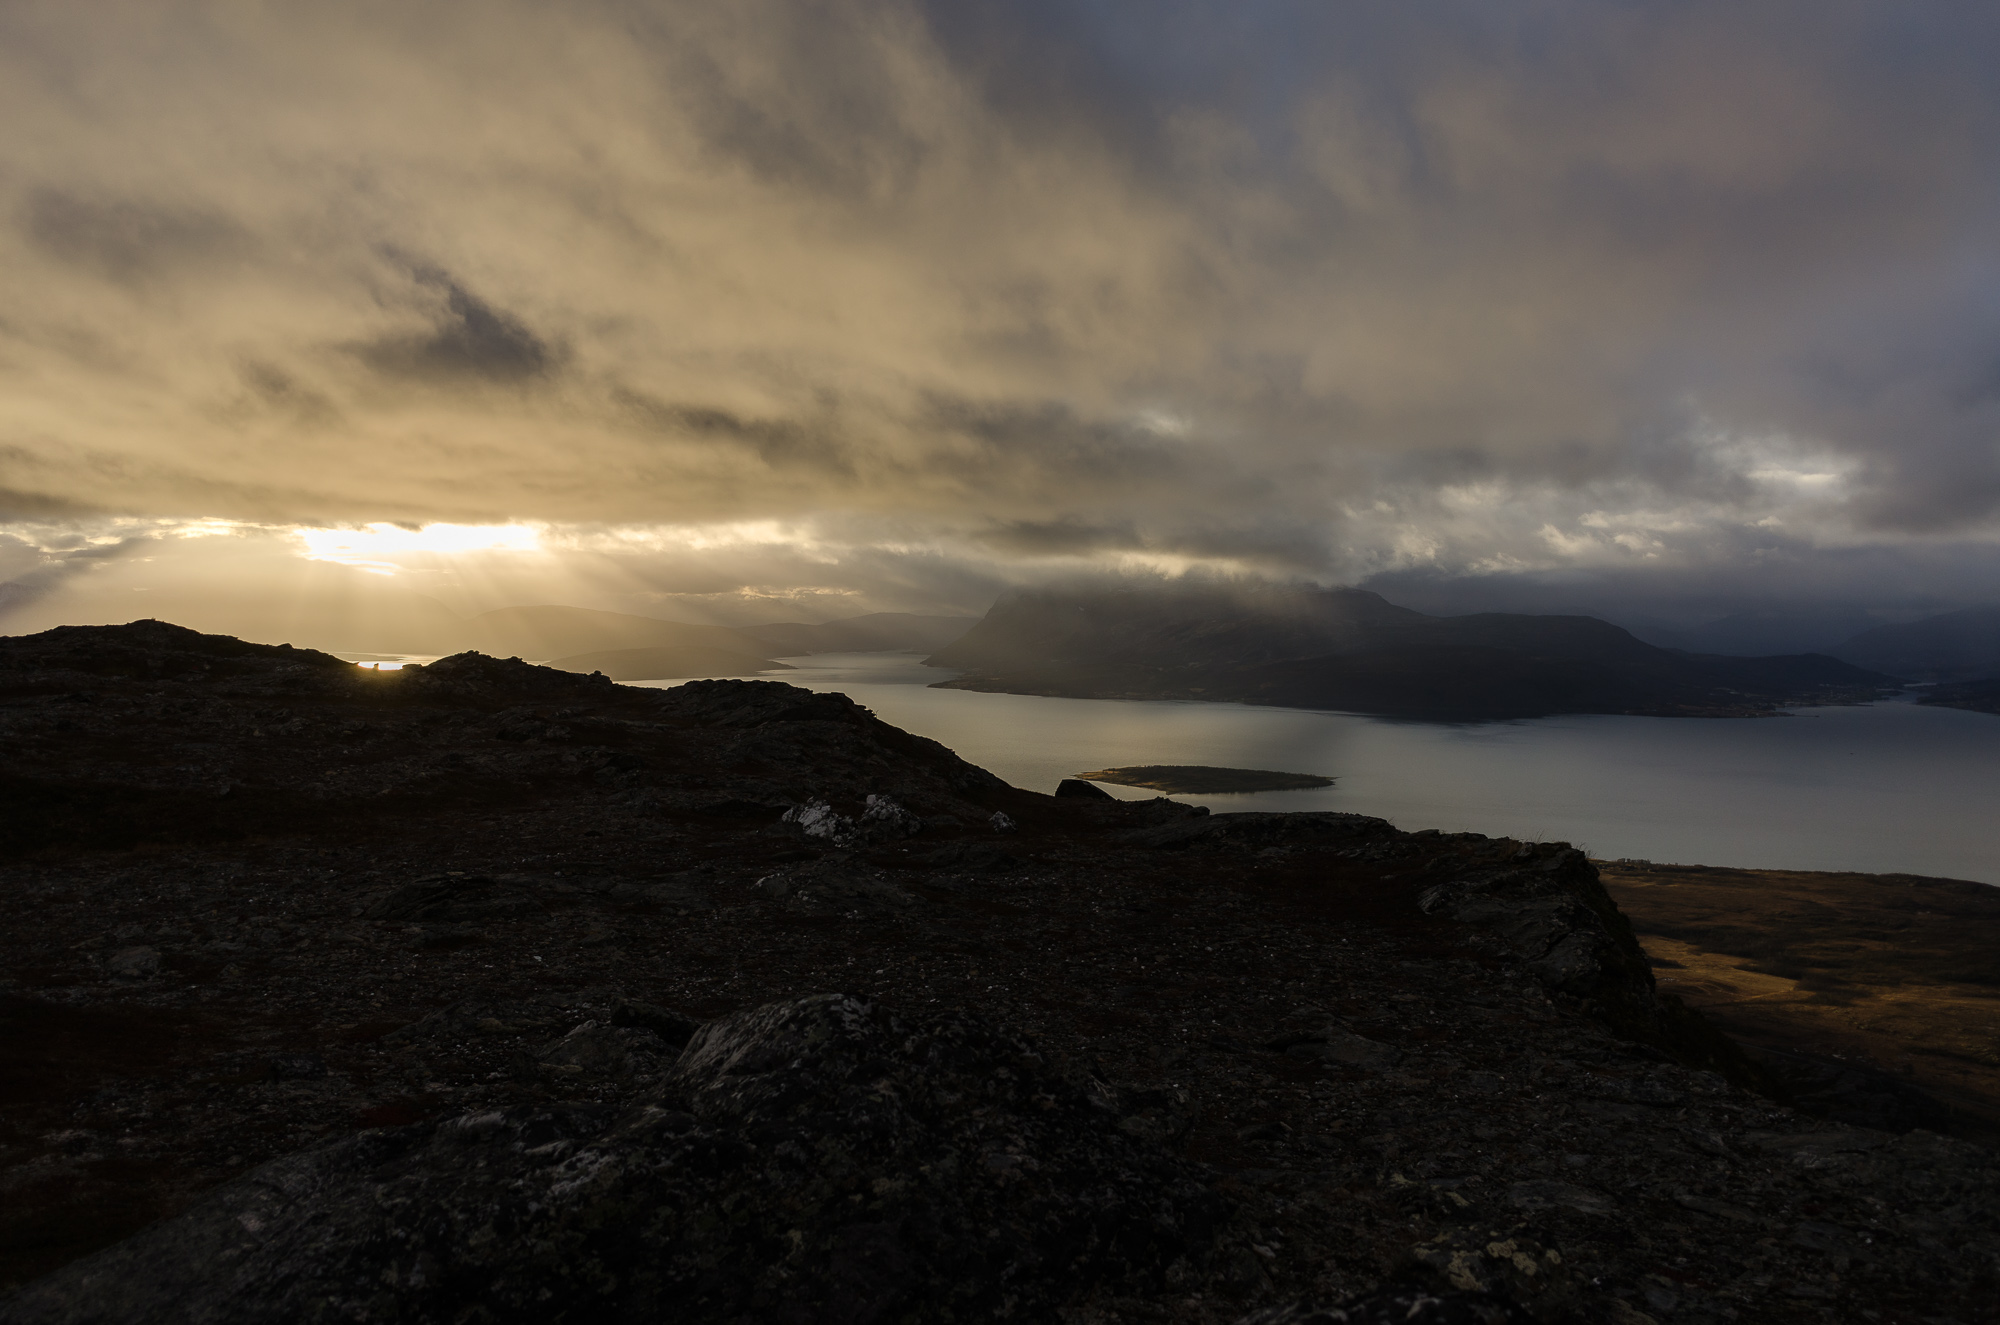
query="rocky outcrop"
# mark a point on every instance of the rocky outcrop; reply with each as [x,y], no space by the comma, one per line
[816,1160]
[474,676]
[1544,906]
[217,738]
[881,820]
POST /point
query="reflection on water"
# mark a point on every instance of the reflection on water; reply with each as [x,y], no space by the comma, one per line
[1882,788]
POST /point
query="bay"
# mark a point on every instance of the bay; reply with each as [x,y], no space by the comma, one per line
[1881,788]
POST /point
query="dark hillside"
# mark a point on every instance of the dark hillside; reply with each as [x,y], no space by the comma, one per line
[1352,650]
[489,988]
[1953,646]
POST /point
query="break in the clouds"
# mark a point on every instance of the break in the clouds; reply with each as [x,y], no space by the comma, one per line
[954,293]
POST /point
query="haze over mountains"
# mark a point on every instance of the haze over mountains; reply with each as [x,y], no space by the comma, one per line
[1949,646]
[1954,646]
[629,647]
[1353,650]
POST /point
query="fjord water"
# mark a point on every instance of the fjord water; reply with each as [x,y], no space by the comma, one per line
[1887,787]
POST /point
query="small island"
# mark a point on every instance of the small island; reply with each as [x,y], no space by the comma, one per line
[1200,780]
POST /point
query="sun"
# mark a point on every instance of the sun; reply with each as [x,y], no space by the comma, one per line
[376,547]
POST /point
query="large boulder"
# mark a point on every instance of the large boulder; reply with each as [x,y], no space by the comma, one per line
[1544,907]
[812,1160]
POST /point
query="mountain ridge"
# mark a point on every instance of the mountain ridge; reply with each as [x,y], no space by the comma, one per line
[1352,649]
[1952,646]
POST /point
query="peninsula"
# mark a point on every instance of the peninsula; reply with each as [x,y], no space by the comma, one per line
[1352,650]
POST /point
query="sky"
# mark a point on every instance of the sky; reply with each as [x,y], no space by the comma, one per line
[781,309]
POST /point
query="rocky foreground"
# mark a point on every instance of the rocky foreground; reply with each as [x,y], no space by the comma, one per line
[486,992]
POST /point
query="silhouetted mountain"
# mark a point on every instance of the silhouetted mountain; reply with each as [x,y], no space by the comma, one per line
[1354,650]
[1762,633]
[1954,646]
[874,633]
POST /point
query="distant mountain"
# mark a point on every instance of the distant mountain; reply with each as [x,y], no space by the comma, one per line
[877,632]
[660,664]
[1763,633]
[626,647]
[1954,646]
[1353,650]
[537,633]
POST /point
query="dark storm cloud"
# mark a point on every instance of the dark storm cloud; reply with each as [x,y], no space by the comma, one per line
[1643,291]
[129,241]
[857,145]
[787,443]
[41,570]
[469,340]
[1062,538]
[16,504]
[1050,438]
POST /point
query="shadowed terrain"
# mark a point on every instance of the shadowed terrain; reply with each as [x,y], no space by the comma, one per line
[1199,779]
[366,994]
[1886,971]
[1352,650]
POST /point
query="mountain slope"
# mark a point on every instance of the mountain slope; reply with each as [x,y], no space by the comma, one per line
[1953,646]
[1350,649]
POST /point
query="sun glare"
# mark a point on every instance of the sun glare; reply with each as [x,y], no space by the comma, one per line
[376,547]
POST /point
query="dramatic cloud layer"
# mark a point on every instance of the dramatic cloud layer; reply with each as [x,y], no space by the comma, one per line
[1672,297]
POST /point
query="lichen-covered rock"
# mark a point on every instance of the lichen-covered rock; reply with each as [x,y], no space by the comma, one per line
[886,821]
[820,821]
[881,820]
[814,1160]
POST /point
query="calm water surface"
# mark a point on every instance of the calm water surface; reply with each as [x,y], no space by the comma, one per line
[1884,787]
